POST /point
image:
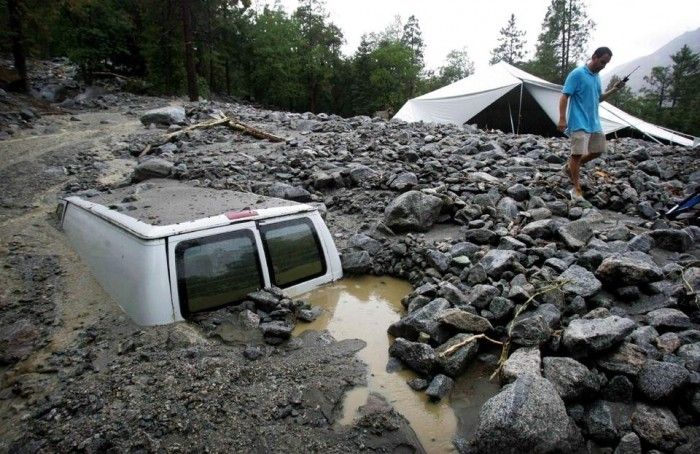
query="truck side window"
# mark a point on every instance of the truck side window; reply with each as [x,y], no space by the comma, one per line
[217,270]
[293,252]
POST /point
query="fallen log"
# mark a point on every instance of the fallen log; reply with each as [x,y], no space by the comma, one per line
[224,121]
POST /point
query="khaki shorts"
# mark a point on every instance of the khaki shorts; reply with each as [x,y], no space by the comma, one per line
[583,142]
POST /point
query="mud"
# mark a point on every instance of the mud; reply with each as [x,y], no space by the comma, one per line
[77,375]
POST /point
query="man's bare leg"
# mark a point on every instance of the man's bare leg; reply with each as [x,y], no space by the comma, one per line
[589,157]
[574,172]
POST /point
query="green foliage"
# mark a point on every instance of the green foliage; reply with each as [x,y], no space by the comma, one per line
[670,96]
[565,32]
[510,44]
[95,34]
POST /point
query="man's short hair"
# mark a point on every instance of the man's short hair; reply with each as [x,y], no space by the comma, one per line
[599,52]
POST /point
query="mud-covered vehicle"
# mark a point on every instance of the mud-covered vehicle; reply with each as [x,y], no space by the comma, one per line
[165,249]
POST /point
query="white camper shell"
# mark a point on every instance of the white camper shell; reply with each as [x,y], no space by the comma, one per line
[165,249]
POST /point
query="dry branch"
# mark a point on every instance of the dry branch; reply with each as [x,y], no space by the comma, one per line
[223,121]
[506,345]
[464,342]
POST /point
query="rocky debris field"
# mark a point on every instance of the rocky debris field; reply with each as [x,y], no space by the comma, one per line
[593,307]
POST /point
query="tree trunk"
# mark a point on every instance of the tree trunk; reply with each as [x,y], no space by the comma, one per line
[15,22]
[228,77]
[189,50]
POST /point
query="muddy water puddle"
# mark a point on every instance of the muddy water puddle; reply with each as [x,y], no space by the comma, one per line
[363,308]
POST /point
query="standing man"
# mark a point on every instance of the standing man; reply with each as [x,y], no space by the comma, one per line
[582,93]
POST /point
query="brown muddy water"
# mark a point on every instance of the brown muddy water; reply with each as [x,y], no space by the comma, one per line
[363,308]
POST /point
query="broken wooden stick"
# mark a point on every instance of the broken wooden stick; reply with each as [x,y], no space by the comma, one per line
[222,121]
[506,345]
[464,342]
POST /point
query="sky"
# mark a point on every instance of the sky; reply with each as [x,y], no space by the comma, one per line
[631,28]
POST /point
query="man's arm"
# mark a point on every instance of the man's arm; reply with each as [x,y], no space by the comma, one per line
[563,104]
[617,87]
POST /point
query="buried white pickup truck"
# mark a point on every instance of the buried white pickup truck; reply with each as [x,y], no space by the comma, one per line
[165,249]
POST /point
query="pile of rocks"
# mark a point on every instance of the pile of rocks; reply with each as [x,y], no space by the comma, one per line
[598,304]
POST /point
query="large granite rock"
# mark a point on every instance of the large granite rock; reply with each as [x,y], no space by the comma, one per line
[417,356]
[526,416]
[583,336]
[454,363]
[164,116]
[465,321]
[570,378]
[659,380]
[426,320]
[153,168]
[523,361]
[580,281]
[657,426]
[629,268]
[496,261]
[412,211]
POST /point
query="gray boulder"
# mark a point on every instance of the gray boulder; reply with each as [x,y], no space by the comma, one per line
[526,416]
[627,359]
[583,336]
[288,192]
[454,363]
[580,281]
[276,331]
[496,261]
[543,228]
[413,211]
[439,387]
[672,240]
[657,426]
[153,168]
[659,380]
[570,378]
[668,318]
[361,174]
[508,208]
[629,268]
[524,360]
[404,180]
[356,262]
[690,353]
[606,421]
[629,444]
[417,356]
[425,319]
[365,243]
[438,260]
[165,116]
[530,329]
[575,234]
[465,321]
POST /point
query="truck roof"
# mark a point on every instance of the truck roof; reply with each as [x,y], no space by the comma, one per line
[159,208]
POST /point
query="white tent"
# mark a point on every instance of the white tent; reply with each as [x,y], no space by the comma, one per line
[516,102]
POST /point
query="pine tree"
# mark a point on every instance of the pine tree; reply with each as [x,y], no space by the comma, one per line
[458,66]
[562,42]
[657,90]
[511,44]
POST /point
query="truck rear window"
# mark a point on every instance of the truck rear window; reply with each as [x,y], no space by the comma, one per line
[217,270]
[293,252]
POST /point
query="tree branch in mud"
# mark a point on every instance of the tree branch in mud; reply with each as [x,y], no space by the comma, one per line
[506,345]
[223,121]
[464,342]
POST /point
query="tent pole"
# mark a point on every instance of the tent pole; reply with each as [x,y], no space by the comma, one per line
[510,114]
[520,106]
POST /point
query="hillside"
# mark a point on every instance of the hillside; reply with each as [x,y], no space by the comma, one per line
[661,57]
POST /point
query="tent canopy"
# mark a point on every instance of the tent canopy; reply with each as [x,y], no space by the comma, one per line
[509,94]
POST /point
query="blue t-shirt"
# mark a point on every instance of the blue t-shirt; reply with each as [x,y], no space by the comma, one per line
[584,90]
